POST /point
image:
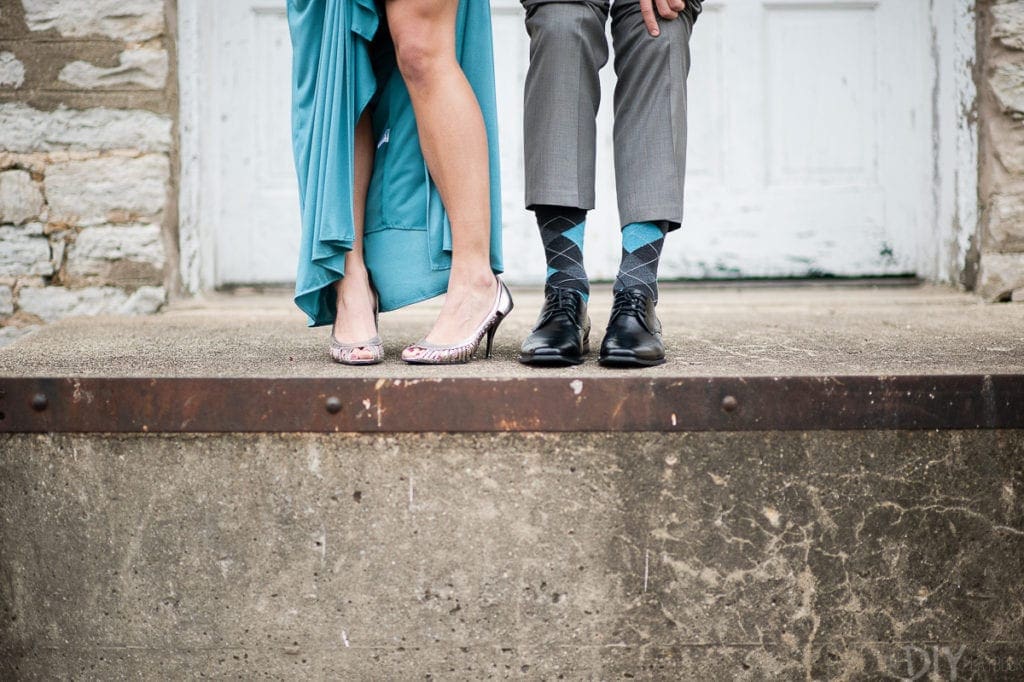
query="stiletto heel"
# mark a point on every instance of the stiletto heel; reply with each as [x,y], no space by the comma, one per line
[424,353]
[490,338]
[345,353]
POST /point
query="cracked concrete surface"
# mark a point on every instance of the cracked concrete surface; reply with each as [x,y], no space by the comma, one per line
[796,556]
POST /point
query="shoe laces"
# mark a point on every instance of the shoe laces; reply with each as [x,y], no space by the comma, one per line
[629,302]
[559,301]
[563,301]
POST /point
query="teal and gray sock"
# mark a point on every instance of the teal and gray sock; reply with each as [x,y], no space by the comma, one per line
[561,230]
[641,251]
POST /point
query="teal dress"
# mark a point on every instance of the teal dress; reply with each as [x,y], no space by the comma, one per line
[344,63]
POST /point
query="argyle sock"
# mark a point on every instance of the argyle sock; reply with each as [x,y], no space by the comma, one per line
[561,230]
[641,251]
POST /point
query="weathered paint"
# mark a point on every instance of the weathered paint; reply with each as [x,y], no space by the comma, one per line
[946,240]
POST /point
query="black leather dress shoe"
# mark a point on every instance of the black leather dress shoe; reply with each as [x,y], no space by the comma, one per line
[633,338]
[562,333]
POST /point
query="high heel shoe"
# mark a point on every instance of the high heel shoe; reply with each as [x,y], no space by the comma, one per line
[462,352]
[345,353]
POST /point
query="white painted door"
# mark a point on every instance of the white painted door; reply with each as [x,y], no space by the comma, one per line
[810,143]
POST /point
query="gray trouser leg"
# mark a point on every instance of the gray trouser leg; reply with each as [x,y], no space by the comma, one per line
[650,114]
[567,49]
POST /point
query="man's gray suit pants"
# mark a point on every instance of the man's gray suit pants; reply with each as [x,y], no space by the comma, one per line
[567,49]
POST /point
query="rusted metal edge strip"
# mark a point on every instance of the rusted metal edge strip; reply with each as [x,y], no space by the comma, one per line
[223,405]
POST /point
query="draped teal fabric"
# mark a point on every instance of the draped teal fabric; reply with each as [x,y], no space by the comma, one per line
[343,63]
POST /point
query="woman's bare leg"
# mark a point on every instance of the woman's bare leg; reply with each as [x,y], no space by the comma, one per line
[355,322]
[454,142]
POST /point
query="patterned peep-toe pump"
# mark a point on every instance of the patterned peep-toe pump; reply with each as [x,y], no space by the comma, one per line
[424,353]
[345,353]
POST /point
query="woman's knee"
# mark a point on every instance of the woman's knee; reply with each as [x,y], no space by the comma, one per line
[421,47]
[420,63]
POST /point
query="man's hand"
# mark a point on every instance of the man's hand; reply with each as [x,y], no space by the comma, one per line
[668,9]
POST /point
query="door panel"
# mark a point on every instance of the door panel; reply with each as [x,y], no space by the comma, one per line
[257,202]
[818,99]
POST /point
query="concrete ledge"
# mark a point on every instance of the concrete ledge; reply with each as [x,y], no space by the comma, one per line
[826,555]
[739,359]
[709,332]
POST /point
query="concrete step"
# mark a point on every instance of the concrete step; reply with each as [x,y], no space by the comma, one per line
[738,331]
[174,503]
[738,359]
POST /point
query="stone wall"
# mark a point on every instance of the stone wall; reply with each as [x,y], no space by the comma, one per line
[87,159]
[1001,123]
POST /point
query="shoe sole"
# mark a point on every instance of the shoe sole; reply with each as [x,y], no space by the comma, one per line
[628,361]
[554,358]
[437,363]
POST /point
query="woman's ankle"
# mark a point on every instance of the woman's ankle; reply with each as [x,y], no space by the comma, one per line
[473,278]
[353,290]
